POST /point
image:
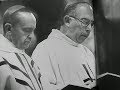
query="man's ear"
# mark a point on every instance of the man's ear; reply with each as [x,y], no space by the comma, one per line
[8,28]
[67,20]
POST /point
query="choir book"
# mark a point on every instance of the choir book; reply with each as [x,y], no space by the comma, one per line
[108,81]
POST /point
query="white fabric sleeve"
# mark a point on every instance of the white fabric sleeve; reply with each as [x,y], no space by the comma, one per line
[41,58]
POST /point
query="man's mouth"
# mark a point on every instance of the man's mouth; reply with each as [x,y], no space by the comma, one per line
[84,35]
[27,42]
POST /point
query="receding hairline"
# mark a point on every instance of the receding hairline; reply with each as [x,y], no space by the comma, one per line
[78,3]
[11,18]
[74,11]
[72,8]
[24,14]
[84,5]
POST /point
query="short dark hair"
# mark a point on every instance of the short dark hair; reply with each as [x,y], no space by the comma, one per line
[12,17]
[70,10]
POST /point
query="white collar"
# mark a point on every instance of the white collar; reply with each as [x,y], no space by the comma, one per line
[56,33]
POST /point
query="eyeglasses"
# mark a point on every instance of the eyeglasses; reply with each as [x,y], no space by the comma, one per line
[84,21]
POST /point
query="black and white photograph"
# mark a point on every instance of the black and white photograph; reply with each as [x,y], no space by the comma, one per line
[59,44]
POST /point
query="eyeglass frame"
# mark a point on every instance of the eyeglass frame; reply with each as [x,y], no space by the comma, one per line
[82,23]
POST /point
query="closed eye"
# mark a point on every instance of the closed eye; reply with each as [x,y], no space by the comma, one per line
[28,30]
[85,21]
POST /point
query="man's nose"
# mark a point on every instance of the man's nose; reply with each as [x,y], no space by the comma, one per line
[89,28]
[87,31]
[30,36]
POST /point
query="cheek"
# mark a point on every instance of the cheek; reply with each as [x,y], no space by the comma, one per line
[73,24]
[20,38]
[76,26]
[77,29]
[15,37]
[78,32]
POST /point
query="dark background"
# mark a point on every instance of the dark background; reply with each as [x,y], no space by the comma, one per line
[107,34]
[49,12]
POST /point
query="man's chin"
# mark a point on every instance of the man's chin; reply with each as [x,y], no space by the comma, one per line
[27,44]
[81,39]
[25,47]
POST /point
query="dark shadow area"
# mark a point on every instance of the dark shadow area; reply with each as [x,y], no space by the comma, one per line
[107,33]
[49,12]
[107,41]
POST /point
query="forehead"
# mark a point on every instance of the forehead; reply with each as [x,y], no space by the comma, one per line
[26,18]
[84,11]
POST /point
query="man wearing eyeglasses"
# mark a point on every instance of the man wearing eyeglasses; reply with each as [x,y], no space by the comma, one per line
[62,58]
